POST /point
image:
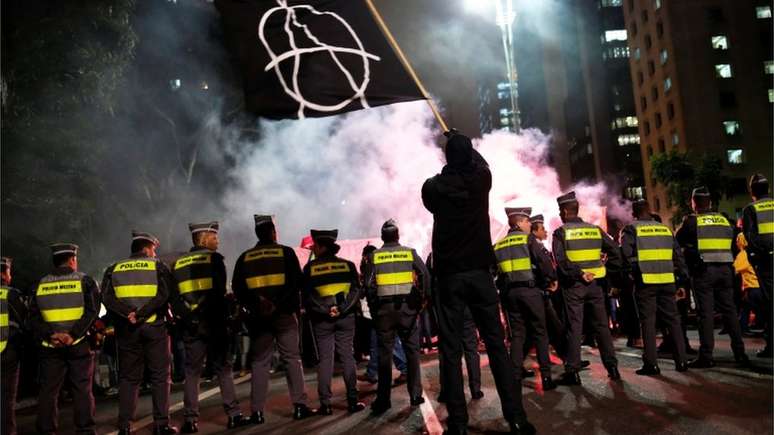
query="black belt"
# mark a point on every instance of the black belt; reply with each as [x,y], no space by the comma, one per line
[521,284]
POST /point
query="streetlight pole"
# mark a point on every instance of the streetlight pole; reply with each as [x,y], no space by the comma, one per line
[505,17]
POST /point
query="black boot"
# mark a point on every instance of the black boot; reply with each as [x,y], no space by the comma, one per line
[237,421]
[257,418]
[569,378]
[477,395]
[585,363]
[190,426]
[742,360]
[325,410]
[701,363]
[354,407]
[416,401]
[125,431]
[164,430]
[649,370]
[548,383]
[527,373]
[681,366]
[379,407]
[441,398]
[613,373]
[301,411]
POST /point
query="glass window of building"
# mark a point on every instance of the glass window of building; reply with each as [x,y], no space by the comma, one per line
[661,145]
[610,3]
[675,138]
[659,29]
[634,28]
[650,152]
[640,78]
[723,71]
[637,53]
[651,68]
[768,66]
[647,128]
[615,35]
[771,95]
[763,11]
[667,84]
[727,99]
[720,42]
[732,128]
[654,93]
[658,120]
[656,4]
[664,56]
[625,121]
[628,139]
[644,15]
[644,102]
[648,41]
[735,156]
[670,110]
[175,84]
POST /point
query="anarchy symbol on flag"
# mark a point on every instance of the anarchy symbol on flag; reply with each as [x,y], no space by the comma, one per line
[291,25]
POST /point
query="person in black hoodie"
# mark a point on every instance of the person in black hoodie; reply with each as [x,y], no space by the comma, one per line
[458,198]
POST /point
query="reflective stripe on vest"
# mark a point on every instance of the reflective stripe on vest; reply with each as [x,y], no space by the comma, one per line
[764,213]
[60,300]
[583,246]
[193,273]
[265,268]
[135,282]
[654,252]
[513,257]
[330,278]
[394,269]
[4,325]
[714,235]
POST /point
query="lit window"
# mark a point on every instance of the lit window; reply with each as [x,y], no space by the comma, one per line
[501,95]
[768,66]
[720,42]
[175,84]
[505,121]
[664,56]
[637,53]
[615,35]
[771,95]
[723,70]
[656,4]
[667,84]
[623,122]
[610,3]
[503,86]
[735,156]
[763,11]
[675,139]
[628,139]
[505,113]
[732,128]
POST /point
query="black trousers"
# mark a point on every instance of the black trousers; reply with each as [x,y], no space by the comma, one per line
[658,301]
[470,353]
[76,364]
[764,273]
[141,347]
[576,298]
[474,289]
[9,366]
[713,290]
[397,318]
[629,317]
[525,307]
[555,324]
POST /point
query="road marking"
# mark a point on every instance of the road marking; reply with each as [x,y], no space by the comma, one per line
[145,421]
[432,424]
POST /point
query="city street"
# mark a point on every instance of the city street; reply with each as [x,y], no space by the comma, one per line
[722,400]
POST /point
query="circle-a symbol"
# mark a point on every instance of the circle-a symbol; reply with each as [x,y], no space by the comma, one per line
[295,53]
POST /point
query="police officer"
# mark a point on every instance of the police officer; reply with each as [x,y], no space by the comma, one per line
[398,283]
[331,293]
[520,264]
[654,258]
[63,308]
[706,238]
[136,291]
[198,299]
[13,315]
[267,279]
[578,248]
[758,228]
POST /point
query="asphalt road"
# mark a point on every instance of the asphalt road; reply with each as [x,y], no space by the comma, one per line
[722,400]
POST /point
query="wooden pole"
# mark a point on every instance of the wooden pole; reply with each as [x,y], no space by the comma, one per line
[398,52]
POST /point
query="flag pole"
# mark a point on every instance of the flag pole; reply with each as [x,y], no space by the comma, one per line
[404,60]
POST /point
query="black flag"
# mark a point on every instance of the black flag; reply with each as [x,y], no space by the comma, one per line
[312,58]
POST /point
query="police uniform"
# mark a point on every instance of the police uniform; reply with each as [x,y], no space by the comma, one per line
[397,282]
[198,300]
[577,247]
[330,281]
[758,228]
[65,301]
[267,280]
[13,314]
[520,263]
[655,258]
[706,239]
[140,285]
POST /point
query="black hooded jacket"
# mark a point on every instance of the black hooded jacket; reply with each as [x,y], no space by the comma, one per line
[458,198]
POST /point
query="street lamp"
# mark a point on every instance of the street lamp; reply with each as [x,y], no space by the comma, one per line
[504,17]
